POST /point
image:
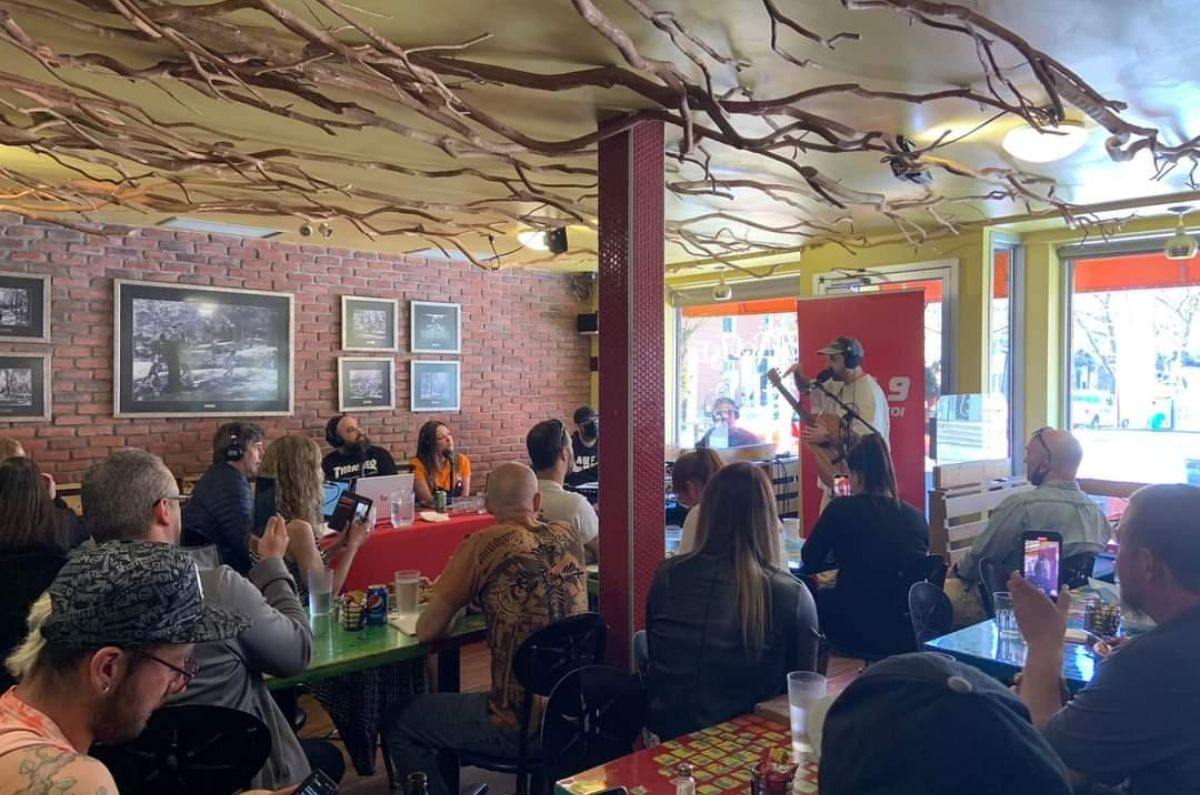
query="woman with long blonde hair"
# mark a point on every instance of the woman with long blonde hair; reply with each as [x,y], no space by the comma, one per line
[708,662]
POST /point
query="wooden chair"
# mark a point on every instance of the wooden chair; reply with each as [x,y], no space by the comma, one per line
[963,497]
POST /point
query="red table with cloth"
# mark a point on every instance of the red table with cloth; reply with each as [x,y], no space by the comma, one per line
[424,546]
[722,757]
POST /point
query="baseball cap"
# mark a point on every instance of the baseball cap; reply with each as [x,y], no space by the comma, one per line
[583,414]
[927,723]
[843,346]
[133,593]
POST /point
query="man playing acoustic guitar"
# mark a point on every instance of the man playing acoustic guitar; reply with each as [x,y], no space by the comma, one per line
[845,380]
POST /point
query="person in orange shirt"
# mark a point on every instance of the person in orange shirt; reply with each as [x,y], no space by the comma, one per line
[438,467]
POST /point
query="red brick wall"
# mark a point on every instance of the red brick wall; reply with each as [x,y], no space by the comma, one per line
[522,360]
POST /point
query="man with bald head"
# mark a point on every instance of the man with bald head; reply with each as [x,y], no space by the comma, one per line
[526,574]
[1052,460]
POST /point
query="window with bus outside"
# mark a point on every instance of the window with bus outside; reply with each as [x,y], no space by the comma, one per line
[1133,367]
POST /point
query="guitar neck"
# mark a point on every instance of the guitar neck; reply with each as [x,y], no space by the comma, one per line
[776,380]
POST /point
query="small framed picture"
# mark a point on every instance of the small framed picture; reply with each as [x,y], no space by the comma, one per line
[435,328]
[24,387]
[370,324]
[366,384]
[435,386]
[25,307]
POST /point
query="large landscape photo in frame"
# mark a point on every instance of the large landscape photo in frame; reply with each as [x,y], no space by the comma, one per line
[434,327]
[24,307]
[370,324]
[366,384]
[24,387]
[201,351]
[434,386]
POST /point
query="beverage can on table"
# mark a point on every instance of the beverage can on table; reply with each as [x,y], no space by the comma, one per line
[439,501]
[377,604]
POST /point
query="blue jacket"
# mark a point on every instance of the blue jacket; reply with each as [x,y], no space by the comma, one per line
[221,511]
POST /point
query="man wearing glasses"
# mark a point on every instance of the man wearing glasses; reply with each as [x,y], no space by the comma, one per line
[1052,460]
[725,414]
[131,495]
[221,509]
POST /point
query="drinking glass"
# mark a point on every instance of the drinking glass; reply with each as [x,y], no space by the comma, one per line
[805,688]
[1006,619]
[408,584]
[320,588]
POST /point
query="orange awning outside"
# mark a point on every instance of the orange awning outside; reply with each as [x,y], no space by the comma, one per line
[1134,272]
[765,306]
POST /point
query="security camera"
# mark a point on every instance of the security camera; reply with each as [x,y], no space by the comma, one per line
[1179,245]
[306,230]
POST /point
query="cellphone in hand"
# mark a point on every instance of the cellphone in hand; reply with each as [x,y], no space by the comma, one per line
[317,784]
[1040,565]
[350,508]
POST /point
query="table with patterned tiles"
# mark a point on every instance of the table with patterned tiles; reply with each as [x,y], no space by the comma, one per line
[722,757]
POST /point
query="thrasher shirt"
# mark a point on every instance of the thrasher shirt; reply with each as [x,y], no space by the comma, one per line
[344,466]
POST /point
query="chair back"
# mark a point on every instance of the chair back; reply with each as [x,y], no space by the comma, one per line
[641,653]
[931,568]
[193,749]
[593,716]
[1075,570]
[993,578]
[963,497]
[931,612]
[553,651]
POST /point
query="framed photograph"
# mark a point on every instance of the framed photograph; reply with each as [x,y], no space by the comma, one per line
[24,307]
[370,324]
[366,384]
[24,387]
[434,386]
[201,351]
[435,328]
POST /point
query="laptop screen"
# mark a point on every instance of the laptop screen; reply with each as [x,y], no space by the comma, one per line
[329,500]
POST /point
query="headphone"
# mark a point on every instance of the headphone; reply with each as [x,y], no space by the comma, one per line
[331,433]
[234,450]
[852,352]
[737,412]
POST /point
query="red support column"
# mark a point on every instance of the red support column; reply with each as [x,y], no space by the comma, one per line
[631,376]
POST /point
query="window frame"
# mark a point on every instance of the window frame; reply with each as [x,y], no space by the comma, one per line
[1016,341]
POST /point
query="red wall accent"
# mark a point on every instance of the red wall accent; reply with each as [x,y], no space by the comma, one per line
[522,359]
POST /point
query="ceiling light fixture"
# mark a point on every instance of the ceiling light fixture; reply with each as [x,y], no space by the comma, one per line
[1034,146]
[1180,245]
[534,239]
[722,291]
[218,228]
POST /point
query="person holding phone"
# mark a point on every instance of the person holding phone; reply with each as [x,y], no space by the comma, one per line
[1135,722]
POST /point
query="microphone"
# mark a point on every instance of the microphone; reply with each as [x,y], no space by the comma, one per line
[809,383]
[825,375]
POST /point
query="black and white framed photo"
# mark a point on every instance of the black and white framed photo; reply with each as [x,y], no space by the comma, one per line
[366,384]
[435,328]
[201,351]
[434,386]
[24,387]
[370,324]
[24,307]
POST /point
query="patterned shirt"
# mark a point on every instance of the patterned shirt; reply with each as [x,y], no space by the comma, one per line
[524,578]
[36,757]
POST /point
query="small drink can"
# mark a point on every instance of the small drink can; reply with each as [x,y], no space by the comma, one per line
[439,501]
[377,605]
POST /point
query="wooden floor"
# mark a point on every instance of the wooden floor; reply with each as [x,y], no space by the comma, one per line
[476,676]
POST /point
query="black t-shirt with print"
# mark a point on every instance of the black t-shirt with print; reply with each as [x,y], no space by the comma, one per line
[374,461]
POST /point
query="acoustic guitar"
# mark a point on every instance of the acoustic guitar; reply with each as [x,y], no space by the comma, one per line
[833,451]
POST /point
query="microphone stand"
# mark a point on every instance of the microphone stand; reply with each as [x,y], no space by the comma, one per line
[849,415]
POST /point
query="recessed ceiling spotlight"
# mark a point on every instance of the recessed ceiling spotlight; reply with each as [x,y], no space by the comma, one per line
[1034,146]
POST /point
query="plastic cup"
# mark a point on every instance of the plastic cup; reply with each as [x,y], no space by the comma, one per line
[320,588]
[805,688]
[408,586]
[1006,619]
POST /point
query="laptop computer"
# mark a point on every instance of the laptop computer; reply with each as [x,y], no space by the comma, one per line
[376,487]
[331,490]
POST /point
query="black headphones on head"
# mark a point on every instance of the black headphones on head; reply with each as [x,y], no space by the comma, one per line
[234,451]
[852,352]
[331,433]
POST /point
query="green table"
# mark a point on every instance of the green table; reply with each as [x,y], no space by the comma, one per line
[336,651]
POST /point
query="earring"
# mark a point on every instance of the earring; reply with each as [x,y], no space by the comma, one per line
[104,687]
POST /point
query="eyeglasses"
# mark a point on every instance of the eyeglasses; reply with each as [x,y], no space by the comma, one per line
[184,675]
[179,498]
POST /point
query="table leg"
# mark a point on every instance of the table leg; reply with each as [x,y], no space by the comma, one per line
[449,677]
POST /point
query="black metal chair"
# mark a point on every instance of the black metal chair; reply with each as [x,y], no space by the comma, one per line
[1075,570]
[593,716]
[543,659]
[641,653]
[931,612]
[193,749]
[993,578]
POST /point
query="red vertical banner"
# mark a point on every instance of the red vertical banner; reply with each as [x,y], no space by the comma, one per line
[891,328]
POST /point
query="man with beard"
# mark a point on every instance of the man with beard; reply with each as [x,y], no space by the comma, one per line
[1051,462]
[353,455]
[1135,722]
[221,509]
[109,641]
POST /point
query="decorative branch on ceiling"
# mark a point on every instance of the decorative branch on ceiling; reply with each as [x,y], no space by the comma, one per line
[331,69]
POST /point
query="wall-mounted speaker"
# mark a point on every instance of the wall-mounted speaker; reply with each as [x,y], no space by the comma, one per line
[588,323]
[556,240]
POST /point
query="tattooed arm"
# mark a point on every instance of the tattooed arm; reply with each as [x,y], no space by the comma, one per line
[47,770]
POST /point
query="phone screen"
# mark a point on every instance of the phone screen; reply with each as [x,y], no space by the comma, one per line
[350,507]
[841,485]
[317,784]
[1041,563]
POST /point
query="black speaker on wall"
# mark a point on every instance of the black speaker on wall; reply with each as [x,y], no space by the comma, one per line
[588,323]
[556,240]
